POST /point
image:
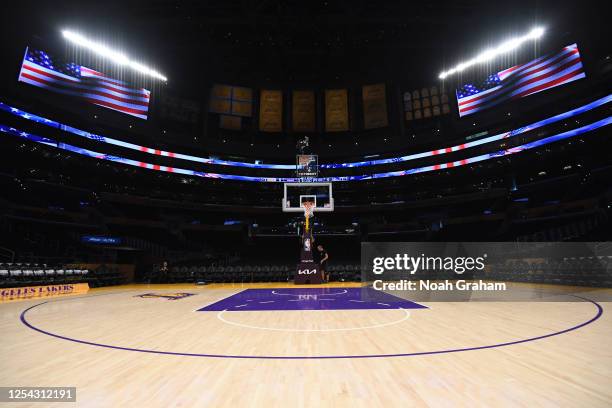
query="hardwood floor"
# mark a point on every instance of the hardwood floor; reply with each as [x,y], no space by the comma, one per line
[123,350]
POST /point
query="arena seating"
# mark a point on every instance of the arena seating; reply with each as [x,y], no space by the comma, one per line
[33,274]
[251,272]
[584,271]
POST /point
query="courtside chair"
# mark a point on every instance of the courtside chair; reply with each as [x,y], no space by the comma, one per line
[340,271]
[28,277]
[333,272]
[184,272]
[256,272]
[357,272]
[39,275]
[238,274]
[212,273]
[5,278]
[192,274]
[229,274]
[289,272]
[201,273]
[220,275]
[272,274]
[17,274]
[252,272]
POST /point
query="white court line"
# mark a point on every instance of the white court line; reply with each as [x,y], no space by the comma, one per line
[220,317]
[268,301]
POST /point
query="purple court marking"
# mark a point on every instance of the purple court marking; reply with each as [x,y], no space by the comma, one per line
[310,299]
[421,353]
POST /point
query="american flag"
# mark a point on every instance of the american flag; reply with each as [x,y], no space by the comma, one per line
[40,69]
[521,80]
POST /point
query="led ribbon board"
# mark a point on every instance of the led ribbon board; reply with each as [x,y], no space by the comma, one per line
[506,152]
[206,160]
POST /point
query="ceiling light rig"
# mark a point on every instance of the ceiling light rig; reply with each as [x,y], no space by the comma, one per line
[491,53]
[115,56]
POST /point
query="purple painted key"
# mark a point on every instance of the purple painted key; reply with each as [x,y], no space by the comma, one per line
[311,299]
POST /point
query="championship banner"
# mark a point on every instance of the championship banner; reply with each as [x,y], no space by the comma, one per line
[242,101]
[303,111]
[336,110]
[35,292]
[220,99]
[220,105]
[221,91]
[242,94]
[234,100]
[374,106]
[242,108]
[271,111]
[230,122]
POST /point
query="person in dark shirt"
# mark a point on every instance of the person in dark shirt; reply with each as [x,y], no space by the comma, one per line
[323,257]
[163,272]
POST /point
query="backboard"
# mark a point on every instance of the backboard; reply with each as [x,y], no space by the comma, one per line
[318,193]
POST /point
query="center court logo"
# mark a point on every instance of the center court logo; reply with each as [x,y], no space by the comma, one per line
[167,296]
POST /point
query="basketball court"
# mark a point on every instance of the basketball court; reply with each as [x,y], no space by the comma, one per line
[316,204]
[277,344]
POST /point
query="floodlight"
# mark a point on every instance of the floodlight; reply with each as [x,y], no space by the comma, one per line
[491,53]
[115,56]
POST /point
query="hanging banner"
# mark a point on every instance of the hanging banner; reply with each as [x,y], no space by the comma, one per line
[240,108]
[271,111]
[303,117]
[220,99]
[242,101]
[374,106]
[230,122]
[336,110]
[221,91]
[242,94]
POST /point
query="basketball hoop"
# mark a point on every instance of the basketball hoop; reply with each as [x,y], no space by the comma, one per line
[308,207]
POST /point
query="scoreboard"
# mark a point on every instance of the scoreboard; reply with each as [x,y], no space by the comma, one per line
[307,166]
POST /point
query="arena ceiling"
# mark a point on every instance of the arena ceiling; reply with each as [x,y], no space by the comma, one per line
[312,42]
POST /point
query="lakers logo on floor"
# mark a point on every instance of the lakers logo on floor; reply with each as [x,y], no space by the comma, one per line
[167,296]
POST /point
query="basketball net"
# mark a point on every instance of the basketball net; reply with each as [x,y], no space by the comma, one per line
[308,207]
